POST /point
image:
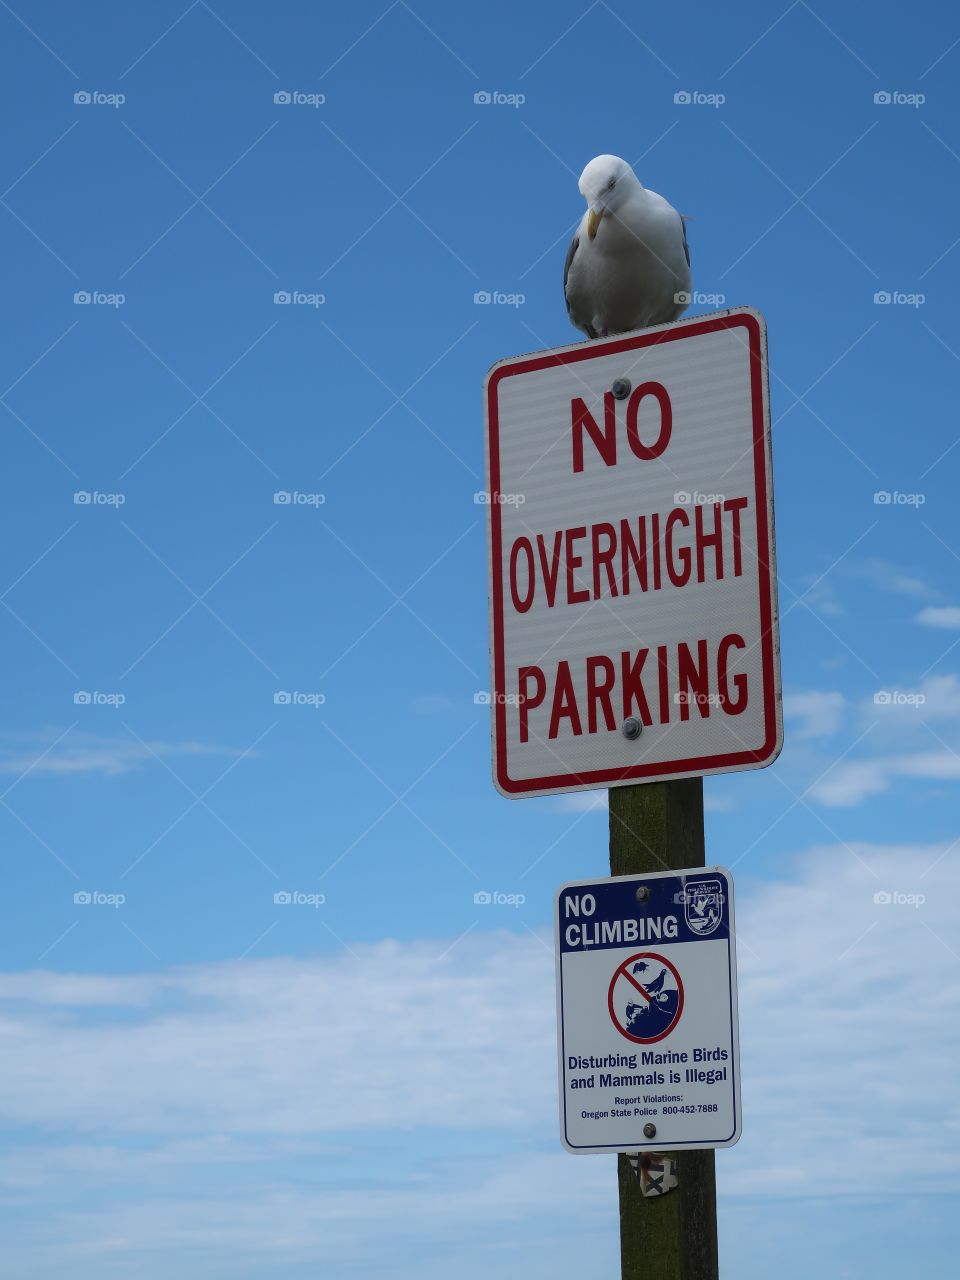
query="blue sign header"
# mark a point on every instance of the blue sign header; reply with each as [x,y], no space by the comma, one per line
[681,908]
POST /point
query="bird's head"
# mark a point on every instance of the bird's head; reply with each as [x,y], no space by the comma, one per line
[605,183]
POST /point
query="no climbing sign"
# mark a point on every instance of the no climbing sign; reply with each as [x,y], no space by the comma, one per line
[647,1012]
[633,610]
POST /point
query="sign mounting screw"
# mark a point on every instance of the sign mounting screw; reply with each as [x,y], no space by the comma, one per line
[621,388]
[649,1130]
[631,728]
[643,893]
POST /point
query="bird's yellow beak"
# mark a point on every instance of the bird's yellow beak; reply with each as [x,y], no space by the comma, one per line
[593,221]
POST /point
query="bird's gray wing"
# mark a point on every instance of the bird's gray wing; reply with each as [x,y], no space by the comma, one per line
[572,249]
[571,253]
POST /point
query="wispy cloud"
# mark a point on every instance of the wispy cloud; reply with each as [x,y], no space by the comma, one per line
[935,698]
[889,576]
[717,802]
[903,732]
[582,802]
[393,1032]
[852,781]
[819,714]
[946,617]
[165,1083]
[836,1019]
[79,753]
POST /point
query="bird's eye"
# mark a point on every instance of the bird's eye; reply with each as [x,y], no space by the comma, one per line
[611,184]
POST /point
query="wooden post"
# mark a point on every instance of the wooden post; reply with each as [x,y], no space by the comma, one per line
[659,827]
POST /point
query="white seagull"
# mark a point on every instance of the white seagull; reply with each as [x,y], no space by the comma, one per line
[628,265]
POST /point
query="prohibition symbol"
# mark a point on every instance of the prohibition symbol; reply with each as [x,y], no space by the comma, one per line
[645,998]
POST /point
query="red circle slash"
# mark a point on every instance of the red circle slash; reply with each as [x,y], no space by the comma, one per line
[621,972]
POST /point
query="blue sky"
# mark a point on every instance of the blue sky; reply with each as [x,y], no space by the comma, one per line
[200,1078]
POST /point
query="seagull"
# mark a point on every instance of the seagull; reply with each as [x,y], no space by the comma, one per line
[628,265]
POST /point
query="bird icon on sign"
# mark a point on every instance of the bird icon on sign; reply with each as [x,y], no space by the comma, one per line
[656,986]
[645,1011]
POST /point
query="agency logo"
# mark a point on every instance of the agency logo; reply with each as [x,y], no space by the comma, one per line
[703,906]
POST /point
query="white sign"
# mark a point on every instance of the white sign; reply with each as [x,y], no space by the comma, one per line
[647,1012]
[633,607]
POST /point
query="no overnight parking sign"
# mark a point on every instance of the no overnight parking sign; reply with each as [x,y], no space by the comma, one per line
[647,1012]
[633,609]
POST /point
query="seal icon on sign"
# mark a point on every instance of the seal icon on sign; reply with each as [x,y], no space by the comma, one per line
[645,997]
[703,906]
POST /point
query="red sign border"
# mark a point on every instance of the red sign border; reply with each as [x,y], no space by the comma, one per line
[752,322]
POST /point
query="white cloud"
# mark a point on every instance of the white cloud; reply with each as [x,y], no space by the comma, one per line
[935,698]
[852,781]
[249,1117]
[245,1046]
[890,577]
[821,596]
[714,802]
[582,801]
[820,714]
[79,752]
[472,1215]
[850,1022]
[921,720]
[947,617]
